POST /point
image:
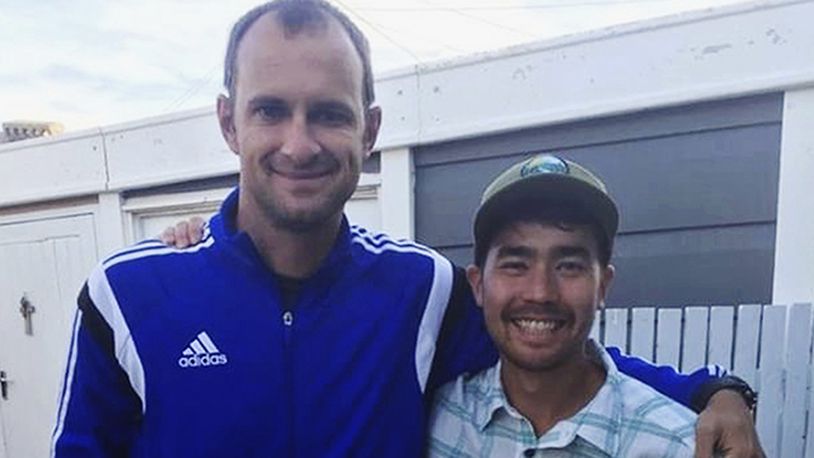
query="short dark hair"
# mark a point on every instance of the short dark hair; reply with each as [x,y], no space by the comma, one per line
[557,215]
[294,16]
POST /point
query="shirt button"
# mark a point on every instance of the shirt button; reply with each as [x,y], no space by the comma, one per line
[529,452]
[288,318]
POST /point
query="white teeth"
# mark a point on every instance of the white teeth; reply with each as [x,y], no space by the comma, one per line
[537,325]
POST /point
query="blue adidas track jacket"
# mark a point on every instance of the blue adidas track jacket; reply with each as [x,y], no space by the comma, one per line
[189,352]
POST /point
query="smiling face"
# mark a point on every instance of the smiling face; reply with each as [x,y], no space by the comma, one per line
[298,123]
[540,287]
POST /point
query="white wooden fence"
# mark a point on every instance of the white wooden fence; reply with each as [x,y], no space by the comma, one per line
[768,346]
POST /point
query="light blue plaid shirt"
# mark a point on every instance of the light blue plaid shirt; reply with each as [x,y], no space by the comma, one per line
[472,417]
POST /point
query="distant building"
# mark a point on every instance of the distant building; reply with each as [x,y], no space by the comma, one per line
[21,130]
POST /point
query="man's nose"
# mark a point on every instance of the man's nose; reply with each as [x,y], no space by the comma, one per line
[542,287]
[298,141]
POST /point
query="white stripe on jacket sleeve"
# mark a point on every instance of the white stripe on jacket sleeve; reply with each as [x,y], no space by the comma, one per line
[433,316]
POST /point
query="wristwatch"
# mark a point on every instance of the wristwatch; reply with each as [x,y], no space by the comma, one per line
[727,382]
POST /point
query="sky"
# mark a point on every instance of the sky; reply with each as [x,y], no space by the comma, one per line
[90,63]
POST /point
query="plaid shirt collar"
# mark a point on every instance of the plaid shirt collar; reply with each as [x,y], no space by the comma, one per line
[607,403]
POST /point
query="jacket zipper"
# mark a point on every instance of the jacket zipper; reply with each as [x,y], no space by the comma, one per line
[288,323]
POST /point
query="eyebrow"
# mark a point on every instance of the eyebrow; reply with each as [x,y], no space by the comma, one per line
[515,251]
[522,251]
[266,100]
[573,251]
[332,105]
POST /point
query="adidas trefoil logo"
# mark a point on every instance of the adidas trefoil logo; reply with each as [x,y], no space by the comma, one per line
[201,352]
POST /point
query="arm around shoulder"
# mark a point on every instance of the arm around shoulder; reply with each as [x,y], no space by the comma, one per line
[679,387]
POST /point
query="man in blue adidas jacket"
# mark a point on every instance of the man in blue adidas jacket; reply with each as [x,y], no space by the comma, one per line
[287,332]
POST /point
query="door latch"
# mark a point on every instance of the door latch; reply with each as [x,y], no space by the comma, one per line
[4,385]
[26,310]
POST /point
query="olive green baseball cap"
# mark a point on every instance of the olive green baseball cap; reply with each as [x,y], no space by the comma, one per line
[545,180]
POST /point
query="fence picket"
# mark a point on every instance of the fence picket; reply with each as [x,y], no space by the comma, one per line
[642,333]
[746,343]
[668,343]
[798,345]
[769,418]
[616,328]
[695,338]
[721,325]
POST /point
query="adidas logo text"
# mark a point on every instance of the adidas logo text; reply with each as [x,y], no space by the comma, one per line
[202,352]
[205,360]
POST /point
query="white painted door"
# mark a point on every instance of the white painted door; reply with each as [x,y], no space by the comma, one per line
[44,262]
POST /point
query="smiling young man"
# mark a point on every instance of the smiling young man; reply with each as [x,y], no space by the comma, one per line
[543,239]
[286,331]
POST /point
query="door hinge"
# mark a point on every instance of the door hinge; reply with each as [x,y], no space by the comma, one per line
[4,385]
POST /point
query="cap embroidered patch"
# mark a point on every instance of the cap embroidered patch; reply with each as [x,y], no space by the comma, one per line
[544,164]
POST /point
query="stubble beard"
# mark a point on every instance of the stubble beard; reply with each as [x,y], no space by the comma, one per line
[306,219]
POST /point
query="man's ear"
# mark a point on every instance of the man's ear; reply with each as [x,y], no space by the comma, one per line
[226,120]
[373,120]
[605,281]
[475,277]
